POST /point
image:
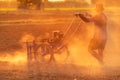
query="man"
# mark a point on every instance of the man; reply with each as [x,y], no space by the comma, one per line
[97,43]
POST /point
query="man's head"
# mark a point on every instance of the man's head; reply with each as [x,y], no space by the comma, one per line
[99,8]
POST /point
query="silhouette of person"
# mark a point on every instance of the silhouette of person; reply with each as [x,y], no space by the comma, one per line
[98,42]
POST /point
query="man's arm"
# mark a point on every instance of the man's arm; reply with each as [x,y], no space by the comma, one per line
[85,18]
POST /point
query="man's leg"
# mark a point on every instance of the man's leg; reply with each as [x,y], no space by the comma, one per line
[100,53]
[93,53]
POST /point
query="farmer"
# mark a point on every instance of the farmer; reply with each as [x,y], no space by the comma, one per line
[97,43]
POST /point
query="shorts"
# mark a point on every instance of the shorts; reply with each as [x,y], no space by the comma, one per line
[97,44]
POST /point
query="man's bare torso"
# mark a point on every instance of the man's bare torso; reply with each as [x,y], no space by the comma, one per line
[100,22]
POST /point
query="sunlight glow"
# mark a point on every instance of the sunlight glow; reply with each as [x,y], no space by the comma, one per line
[56,0]
[17,58]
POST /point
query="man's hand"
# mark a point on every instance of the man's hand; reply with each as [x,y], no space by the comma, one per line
[78,14]
[87,14]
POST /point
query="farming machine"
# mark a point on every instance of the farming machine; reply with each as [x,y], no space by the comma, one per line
[55,44]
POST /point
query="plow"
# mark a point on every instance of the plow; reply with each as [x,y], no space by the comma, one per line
[46,47]
[56,44]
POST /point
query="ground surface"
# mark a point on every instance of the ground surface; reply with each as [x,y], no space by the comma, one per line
[57,72]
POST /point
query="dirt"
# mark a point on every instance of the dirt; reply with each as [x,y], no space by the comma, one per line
[57,72]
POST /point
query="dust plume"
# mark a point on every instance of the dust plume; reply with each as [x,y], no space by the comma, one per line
[80,55]
[16,58]
[112,49]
